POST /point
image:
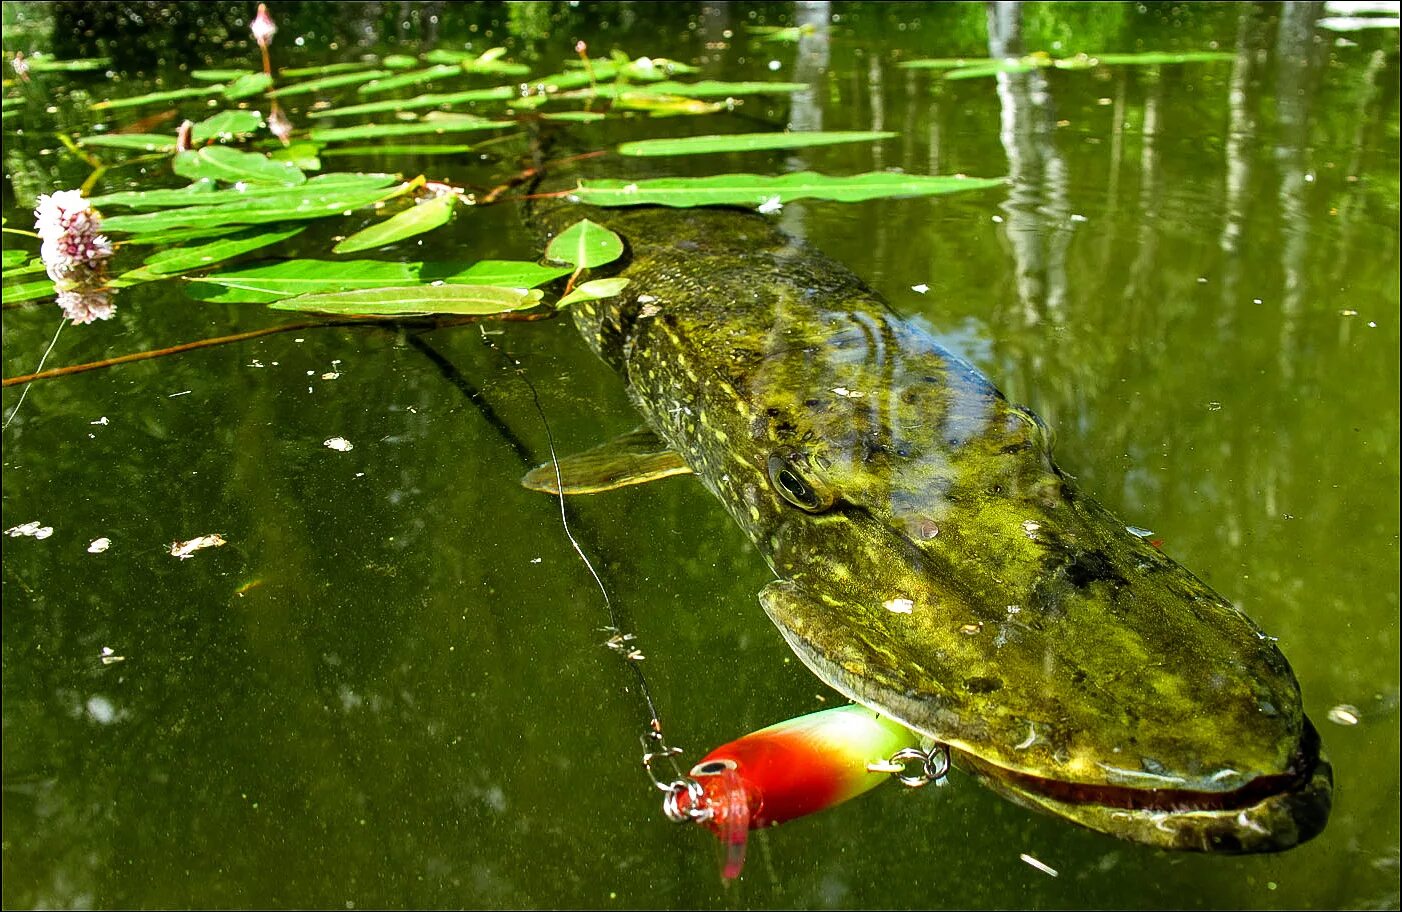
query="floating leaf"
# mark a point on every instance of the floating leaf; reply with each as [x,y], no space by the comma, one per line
[328,82]
[424,127]
[665,105]
[946,63]
[226,125]
[388,150]
[762,189]
[219,75]
[184,259]
[416,299]
[744,142]
[142,142]
[585,245]
[246,85]
[302,154]
[992,69]
[325,69]
[303,202]
[418,102]
[179,235]
[576,116]
[777,33]
[153,97]
[11,258]
[596,290]
[205,192]
[44,64]
[276,281]
[419,218]
[706,88]
[399,61]
[27,291]
[233,165]
[1155,57]
[442,71]
[488,61]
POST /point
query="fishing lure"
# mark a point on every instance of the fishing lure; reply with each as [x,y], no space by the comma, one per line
[786,771]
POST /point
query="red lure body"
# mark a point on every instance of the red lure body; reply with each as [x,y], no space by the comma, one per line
[789,770]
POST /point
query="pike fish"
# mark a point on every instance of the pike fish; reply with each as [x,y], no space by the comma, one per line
[932,562]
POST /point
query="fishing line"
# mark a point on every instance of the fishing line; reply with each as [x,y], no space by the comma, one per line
[25,391]
[618,642]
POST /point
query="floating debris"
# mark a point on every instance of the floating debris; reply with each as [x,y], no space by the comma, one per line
[1030,526]
[31,529]
[770,205]
[185,549]
[1138,532]
[109,656]
[99,545]
[339,444]
[1345,714]
[920,289]
[899,605]
[845,393]
[102,421]
[1040,866]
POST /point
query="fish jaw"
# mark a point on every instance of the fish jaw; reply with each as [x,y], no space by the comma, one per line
[1177,807]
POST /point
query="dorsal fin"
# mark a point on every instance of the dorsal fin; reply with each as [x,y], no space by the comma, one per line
[634,458]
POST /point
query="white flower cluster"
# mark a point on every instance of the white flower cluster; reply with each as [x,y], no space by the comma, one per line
[75,253]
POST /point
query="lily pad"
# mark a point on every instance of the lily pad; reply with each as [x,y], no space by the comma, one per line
[585,245]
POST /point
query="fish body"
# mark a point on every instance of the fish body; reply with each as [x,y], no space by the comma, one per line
[932,561]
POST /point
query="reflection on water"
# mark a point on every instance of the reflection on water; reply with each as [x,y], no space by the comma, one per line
[389,688]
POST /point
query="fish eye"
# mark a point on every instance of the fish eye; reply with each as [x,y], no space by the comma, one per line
[806,493]
[712,767]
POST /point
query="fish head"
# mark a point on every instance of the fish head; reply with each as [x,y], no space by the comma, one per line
[934,564]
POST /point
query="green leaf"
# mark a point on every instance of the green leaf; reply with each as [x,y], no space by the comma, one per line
[304,202]
[325,69]
[488,61]
[585,245]
[992,69]
[328,82]
[153,97]
[219,75]
[416,299]
[178,235]
[184,259]
[776,33]
[388,150]
[593,291]
[1156,57]
[399,62]
[44,64]
[423,127]
[226,125]
[418,102]
[575,116]
[762,189]
[706,88]
[12,257]
[205,192]
[442,71]
[275,281]
[232,165]
[301,154]
[744,142]
[946,63]
[142,142]
[27,291]
[419,218]
[246,85]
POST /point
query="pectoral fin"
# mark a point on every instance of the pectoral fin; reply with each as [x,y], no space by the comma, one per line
[638,456]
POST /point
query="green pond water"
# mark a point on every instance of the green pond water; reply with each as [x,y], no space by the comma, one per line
[389,688]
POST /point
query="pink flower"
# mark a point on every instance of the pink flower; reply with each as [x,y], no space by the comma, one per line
[68,227]
[75,254]
[263,27]
[84,305]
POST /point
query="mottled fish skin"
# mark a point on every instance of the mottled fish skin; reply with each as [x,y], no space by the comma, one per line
[940,568]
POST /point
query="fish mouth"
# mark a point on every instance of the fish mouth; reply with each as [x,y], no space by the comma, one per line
[1270,813]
